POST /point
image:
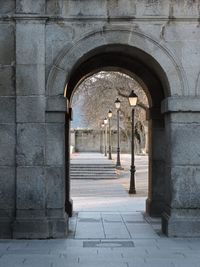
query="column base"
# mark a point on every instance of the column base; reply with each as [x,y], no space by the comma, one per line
[6,220]
[5,229]
[154,207]
[181,223]
[40,228]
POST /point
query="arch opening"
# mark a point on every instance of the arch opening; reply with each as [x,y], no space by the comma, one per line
[149,74]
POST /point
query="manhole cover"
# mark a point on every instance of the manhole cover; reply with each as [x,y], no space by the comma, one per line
[103,244]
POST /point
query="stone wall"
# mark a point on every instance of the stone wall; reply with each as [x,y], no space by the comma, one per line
[91,141]
[41,43]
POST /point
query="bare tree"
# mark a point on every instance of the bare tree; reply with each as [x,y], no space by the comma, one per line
[96,96]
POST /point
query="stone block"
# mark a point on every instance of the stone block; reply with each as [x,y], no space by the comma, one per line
[181,223]
[54,7]
[7,81]
[5,229]
[7,7]
[155,203]
[58,228]
[30,80]
[55,179]
[31,7]
[185,8]
[123,8]
[57,37]
[30,144]
[55,144]
[158,143]
[7,43]
[184,139]
[57,84]
[31,109]
[7,109]
[31,213]
[30,40]
[7,188]
[181,104]
[184,117]
[31,188]
[151,8]
[7,145]
[57,104]
[185,187]
[31,229]
[84,8]
[55,117]
[158,179]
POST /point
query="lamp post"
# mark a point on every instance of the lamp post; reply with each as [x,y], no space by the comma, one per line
[109,137]
[102,137]
[132,101]
[118,163]
[105,123]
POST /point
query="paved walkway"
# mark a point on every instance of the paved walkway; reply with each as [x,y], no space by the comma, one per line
[107,230]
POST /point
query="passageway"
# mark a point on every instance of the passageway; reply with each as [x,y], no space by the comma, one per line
[103,209]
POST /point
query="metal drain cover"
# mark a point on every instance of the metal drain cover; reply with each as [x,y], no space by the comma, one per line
[112,244]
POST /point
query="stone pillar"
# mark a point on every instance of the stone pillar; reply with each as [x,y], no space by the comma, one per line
[38,214]
[30,118]
[181,217]
[157,142]
[7,126]
[56,171]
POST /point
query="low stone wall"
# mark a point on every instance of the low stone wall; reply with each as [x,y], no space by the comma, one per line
[91,141]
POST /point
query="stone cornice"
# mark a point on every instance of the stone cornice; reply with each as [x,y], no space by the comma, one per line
[181,104]
[97,18]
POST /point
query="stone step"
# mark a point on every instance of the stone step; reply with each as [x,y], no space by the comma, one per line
[92,173]
[92,170]
[91,167]
[93,177]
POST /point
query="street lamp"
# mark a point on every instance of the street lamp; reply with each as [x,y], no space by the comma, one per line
[102,137]
[118,163]
[132,101]
[105,123]
[109,140]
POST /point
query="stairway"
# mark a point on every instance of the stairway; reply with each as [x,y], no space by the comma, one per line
[92,168]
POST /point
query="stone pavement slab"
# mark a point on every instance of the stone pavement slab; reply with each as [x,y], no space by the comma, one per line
[108,229]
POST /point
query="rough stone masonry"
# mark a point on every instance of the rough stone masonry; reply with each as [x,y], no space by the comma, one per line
[46,48]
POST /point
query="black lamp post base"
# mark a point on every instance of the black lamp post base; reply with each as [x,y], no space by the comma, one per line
[132,191]
[132,180]
[109,153]
[119,167]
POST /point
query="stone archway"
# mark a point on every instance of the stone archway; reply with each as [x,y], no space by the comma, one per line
[155,66]
[66,60]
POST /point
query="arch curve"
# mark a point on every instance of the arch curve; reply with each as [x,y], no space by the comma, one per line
[171,68]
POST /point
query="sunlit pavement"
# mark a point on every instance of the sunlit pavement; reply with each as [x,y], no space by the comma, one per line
[109,229]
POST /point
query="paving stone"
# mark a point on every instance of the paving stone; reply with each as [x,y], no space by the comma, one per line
[115,230]
[89,230]
[138,230]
